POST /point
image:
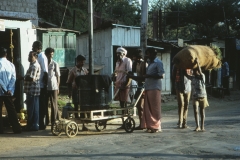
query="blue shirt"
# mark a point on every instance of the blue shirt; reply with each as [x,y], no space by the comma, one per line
[7,76]
[225,69]
[154,68]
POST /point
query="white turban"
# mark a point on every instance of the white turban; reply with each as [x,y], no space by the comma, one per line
[122,50]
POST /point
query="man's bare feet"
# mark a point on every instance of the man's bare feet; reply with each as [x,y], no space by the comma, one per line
[197,129]
[203,130]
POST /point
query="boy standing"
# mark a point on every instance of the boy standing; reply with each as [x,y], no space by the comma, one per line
[199,96]
[72,86]
[53,84]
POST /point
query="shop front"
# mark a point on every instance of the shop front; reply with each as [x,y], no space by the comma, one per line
[17,37]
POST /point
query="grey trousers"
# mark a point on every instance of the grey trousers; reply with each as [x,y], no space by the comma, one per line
[53,97]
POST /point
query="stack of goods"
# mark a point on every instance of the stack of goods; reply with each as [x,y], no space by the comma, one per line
[208,57]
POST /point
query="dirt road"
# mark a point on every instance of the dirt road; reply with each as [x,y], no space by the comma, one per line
[220,141]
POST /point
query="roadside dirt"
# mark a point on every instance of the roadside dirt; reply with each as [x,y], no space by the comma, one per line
[220,141]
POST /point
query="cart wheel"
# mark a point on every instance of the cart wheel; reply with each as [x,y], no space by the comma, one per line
[56,128]
[129,125]
[71,129]
[100,125]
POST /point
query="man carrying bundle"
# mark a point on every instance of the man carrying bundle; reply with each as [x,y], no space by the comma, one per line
[200,101]
[183,92]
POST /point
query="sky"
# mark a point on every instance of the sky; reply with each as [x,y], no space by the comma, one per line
[140,1]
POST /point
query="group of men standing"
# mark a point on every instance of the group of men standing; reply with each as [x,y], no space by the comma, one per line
[41,85]
[42,80]
[150,72]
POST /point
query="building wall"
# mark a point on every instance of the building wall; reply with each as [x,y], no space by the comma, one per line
[105,40]
[64,44]
[166,81]
[102,49]
[19,16]
[19,9]
[23,37]
[123,36]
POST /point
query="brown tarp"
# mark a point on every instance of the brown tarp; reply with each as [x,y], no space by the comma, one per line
[206,56]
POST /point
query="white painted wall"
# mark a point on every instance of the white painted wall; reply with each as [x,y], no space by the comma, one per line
[166,81]
[27,37]
[13,24]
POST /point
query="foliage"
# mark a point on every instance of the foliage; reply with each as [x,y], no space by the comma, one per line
[119,10]
[109,10]
[217,51]
[211,18]
[187,19]
[61,103]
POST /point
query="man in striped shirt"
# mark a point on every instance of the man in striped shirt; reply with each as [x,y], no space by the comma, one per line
[32,90]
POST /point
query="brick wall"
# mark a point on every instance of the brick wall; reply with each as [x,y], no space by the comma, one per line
[19,9]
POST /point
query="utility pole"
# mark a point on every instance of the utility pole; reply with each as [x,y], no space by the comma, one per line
[160,25]
[177,21]
[225,21]
[90,40]
[144,22]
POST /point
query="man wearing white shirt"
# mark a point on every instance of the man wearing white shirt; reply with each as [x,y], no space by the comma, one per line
[53,83]
[43,61]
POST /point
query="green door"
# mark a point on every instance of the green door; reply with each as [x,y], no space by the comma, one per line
[64,44]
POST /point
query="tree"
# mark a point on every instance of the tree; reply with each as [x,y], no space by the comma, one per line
[108,10]
[204,17]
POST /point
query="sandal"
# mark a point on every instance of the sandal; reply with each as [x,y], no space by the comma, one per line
[197,129]
[154,131]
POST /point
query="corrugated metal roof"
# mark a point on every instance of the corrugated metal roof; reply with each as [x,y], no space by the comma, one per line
[57,30]
[124,26]
[155,47]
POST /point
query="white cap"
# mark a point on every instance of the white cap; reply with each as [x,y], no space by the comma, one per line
[122,50]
